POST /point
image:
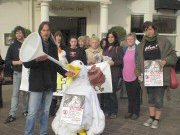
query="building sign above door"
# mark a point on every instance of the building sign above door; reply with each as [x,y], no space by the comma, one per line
[68,9]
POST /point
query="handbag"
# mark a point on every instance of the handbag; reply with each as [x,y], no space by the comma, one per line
[96,76]
[174,81]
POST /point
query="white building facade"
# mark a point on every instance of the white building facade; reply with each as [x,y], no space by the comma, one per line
[86,17]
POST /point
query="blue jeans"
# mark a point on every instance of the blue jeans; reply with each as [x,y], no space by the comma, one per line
[38,102]
[15,96]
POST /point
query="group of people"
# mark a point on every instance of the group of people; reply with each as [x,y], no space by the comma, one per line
[126,62]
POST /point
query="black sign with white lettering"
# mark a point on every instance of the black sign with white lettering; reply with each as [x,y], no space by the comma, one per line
[167,4]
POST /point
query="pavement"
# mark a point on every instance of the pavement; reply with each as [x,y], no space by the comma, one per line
[169,124]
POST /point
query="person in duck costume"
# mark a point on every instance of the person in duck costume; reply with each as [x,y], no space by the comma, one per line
[93,119]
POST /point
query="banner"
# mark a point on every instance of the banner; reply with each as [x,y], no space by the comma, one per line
[63,83]
[153,73]
[106,87]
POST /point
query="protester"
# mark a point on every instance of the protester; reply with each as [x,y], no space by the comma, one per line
[82,42]
[103,43]
[59,39]
[62,57]
[155,47]
[87,38]
[12,58]
[94,52]
[114,51]
[74,52]
[42,82]
[130,78]
[82,100]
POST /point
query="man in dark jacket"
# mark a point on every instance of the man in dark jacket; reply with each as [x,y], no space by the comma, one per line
[12,59]
[42,82]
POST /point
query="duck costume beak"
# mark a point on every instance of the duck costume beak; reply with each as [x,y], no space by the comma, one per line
[75,69]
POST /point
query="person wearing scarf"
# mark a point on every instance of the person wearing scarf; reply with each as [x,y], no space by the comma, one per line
[155,47]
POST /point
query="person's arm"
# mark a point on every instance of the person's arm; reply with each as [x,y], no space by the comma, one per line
[138,69]
[1,60]
[84,58]
[171,57]
[32,64]
[8,59]
[118,60]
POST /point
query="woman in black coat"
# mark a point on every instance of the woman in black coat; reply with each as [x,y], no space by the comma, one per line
[114,51]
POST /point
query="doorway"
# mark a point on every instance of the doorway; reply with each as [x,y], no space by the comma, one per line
[69,26]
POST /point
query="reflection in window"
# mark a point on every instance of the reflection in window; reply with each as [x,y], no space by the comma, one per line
[165,24]
[136,25]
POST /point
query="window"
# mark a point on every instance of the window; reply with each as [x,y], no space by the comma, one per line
[165,24]
[136,25]
[166,27]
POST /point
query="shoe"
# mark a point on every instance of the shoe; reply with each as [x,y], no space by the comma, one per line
[113,116]
[134,117]
[128,115]
[106,115]
[25,113]
[10,119]
[148,122]
[155,124]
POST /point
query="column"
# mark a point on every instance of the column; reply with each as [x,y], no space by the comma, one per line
[104,18]
[45,10]
[177,46]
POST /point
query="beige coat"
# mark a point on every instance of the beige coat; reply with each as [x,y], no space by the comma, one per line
[93,55]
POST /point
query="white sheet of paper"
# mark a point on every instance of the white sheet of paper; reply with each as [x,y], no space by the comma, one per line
[25,79]
[153,73]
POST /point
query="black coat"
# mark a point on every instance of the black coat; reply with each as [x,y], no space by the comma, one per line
[76,54]
[116,53]
[13,55]
[43,75]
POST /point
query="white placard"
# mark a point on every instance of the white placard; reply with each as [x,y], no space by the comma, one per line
[72,110]
[106,87]
[153,73]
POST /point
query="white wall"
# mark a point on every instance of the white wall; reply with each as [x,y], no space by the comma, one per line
[12,13]
[178,34]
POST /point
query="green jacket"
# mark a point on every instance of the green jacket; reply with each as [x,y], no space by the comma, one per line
[167,53]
